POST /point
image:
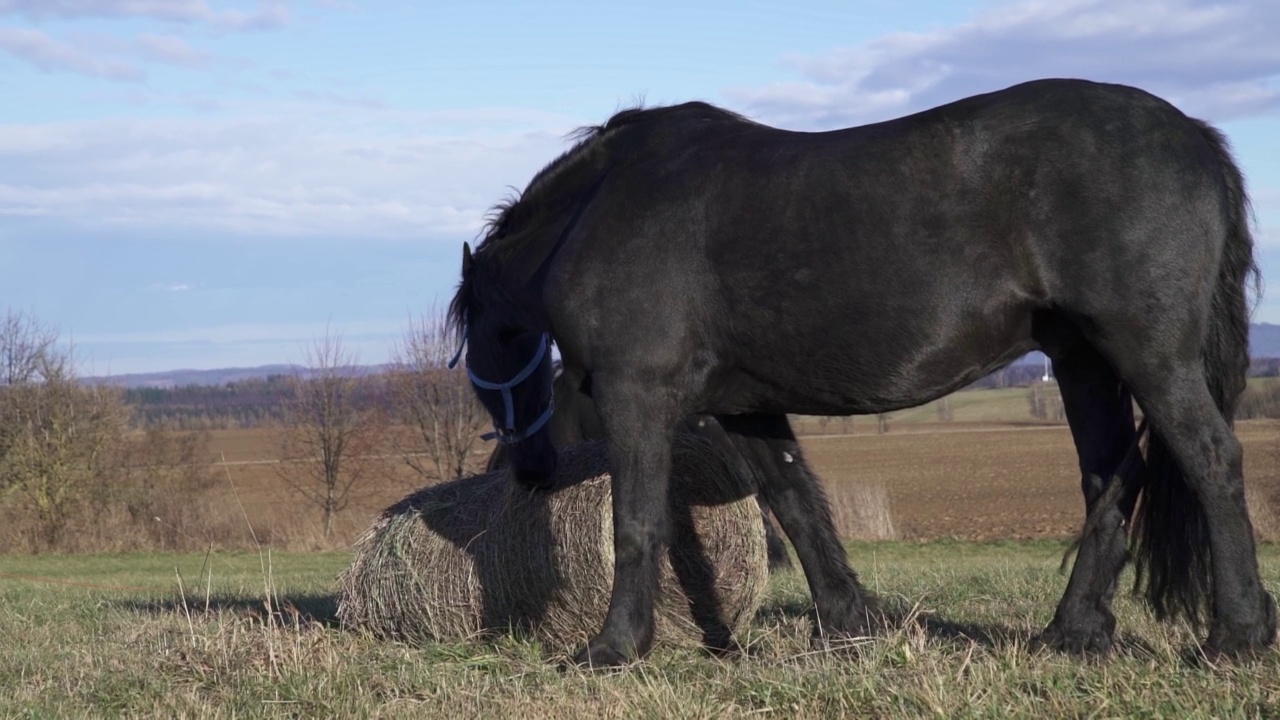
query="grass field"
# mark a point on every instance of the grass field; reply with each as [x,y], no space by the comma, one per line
[244,634]
[111,636]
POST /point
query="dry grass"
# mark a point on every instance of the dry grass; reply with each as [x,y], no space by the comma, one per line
[249,637]
[1262,512]
[862,511]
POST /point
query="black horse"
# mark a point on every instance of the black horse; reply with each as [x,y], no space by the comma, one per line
[574,420]
[686,260]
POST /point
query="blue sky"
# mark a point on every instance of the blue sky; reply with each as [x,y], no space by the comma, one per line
[209,183]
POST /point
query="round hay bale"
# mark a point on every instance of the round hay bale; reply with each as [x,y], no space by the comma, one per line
[482,555]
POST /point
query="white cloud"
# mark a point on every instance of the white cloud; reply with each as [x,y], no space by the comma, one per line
[267,14]
[1215,60]
[50,55]
[101,56]
[172,50]
[297,172]
[169,287]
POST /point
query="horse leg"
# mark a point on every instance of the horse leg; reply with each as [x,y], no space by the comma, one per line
[709,429]
[1195,542]
[1100,412]
[779,558]
[1188,425]
[639,431]
[713,431]
[842,606]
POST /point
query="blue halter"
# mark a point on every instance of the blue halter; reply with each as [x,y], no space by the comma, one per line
[507,433]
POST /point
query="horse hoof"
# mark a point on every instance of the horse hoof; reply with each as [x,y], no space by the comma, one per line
[1081,642]
[598,655]
[858,620]
[1241,643]
[1240,640]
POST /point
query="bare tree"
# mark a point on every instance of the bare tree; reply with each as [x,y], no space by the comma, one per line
[161,469]
[437,406]
[57,436]
[24,343]
[327,435]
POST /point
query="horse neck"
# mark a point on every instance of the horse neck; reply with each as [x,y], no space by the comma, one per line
[516,298]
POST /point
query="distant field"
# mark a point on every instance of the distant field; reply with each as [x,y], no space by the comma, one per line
[970,480]
[1005,406]
[93,636]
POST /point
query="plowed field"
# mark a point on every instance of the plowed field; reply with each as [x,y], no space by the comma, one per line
[968,481]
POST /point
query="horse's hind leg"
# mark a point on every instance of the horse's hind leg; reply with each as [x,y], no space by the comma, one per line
[1196,544]
[779,558]
[1100,412]
[711,430]
[795,495]
[1187,424]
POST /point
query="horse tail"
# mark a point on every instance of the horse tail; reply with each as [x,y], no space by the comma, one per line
[1171,534]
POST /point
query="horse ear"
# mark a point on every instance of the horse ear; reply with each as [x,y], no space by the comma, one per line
[466,259]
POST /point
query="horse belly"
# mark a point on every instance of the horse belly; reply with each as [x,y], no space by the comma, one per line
[862,366]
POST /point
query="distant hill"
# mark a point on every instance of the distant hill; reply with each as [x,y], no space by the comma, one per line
[220,376]
[1264,339]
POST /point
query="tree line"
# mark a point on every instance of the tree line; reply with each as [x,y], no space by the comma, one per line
[89,453]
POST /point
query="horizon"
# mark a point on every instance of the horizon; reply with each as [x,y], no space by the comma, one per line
[1035,357]
[210,184]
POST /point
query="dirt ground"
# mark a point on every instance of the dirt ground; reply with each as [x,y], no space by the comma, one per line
[967,481]
[982,483]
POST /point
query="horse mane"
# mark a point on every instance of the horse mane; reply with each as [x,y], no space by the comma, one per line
[501,239]
[502,216]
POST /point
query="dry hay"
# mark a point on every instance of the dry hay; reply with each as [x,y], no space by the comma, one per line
[482,555]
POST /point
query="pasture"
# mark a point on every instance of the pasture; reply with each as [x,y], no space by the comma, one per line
[982,505]
[112,636]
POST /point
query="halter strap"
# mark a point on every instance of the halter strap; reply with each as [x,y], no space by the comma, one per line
[507,433]
[510,438]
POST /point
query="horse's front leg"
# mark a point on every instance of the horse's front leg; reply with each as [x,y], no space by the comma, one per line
[639,431]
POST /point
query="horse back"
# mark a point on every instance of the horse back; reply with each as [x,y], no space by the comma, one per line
[884,265]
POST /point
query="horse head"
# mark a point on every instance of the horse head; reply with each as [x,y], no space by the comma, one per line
[511,371]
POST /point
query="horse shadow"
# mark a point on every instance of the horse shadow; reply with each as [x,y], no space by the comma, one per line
[900,617]
[286,610]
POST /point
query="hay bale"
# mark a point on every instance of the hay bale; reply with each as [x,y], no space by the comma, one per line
[482,555]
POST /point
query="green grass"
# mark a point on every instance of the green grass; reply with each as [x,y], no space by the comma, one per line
[77,651]
[1004,405]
